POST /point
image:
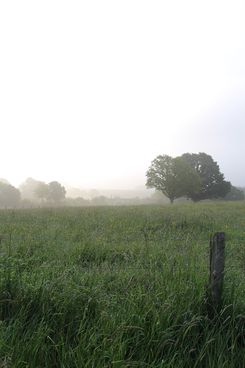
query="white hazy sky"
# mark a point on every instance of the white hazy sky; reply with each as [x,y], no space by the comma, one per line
[91,91]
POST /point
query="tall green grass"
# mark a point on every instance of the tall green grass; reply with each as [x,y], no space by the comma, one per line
[120,287]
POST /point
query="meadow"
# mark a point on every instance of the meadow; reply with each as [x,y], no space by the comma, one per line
[120,287]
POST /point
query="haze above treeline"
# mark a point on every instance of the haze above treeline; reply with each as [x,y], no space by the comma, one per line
[92,92]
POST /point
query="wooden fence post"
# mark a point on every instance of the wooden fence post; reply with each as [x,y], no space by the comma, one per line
[216,276]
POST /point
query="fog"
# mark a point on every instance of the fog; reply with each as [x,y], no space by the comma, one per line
[92,91]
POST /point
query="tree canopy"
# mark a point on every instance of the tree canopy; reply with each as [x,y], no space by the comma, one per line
[56,192]
[172,176]
[212,180]
[9,196]
[193,175]
[35,190]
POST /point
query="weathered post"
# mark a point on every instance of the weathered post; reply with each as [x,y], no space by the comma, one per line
[216,276]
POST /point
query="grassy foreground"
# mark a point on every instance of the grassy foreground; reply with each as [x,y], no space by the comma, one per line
[119,287]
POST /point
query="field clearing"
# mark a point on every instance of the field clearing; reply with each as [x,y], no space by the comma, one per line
[120,287]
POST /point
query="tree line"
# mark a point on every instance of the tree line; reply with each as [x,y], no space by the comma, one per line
[33,193]
[191,176]
[11,197]
[195,176]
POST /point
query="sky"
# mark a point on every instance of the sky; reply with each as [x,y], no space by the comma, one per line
[92,91]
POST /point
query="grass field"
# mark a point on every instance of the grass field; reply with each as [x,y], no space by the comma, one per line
[120,287]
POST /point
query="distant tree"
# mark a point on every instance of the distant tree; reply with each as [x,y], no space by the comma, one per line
[42,191]
[174,177]
[26,203]
[28,189]
[56,192]
[76,202]
[235,194]
[212,180]
[99,201]
[9,196]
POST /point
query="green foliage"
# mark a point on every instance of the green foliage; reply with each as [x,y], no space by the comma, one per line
[235,194]
[9,196]
[56,192]
[172,176]
[34,190]
[212,180]
[119,287]
[53,192]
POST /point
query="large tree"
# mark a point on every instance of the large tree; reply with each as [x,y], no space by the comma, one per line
[56,192]
[212,180]
[9,196]
[174,177]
